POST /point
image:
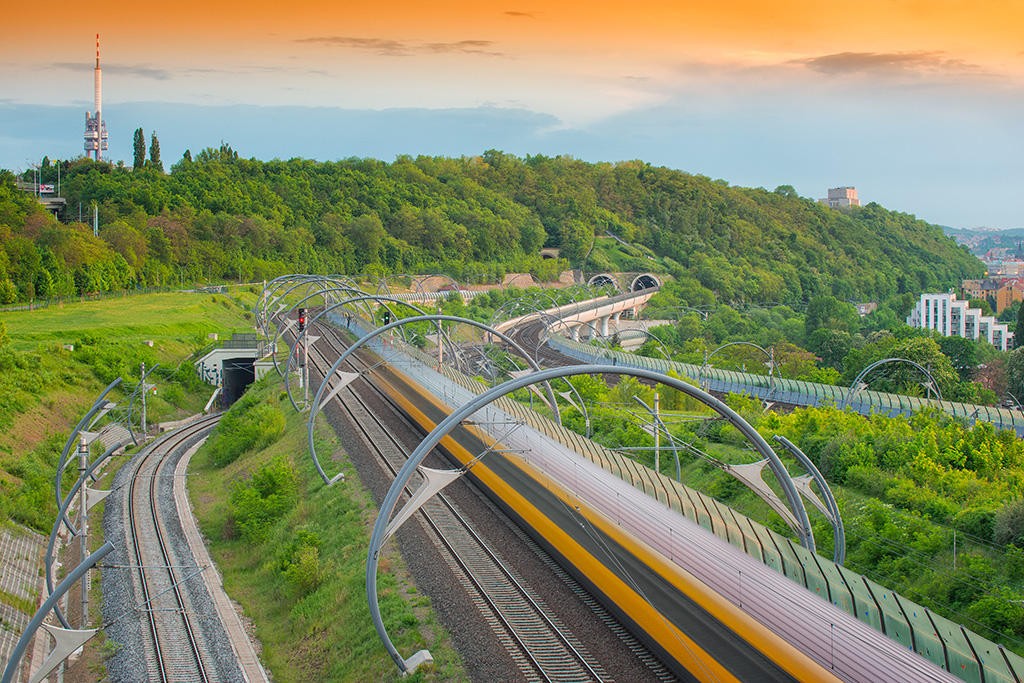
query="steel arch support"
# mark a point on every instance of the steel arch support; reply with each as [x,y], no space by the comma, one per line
[309,325]
[62,514]
[318,402]
[96,407]
[49,604]
[831,506]
[387,507]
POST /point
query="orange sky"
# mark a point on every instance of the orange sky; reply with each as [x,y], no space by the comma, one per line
[579,60]
[165,34]
[870,64]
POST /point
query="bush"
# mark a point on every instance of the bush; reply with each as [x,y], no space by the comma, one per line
[304,572]
[249,424]
[978,523]
[257,503]
[1009,524]
[300,562]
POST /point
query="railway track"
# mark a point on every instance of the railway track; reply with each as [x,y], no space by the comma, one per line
[174,644]
[542,647]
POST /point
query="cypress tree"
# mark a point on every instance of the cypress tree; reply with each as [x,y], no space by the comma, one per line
[154,153]
[140,149]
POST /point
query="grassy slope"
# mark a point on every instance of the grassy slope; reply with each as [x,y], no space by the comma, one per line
[324,634]
[49,389]
[171,320]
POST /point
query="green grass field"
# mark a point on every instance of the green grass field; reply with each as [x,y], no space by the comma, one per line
[172,317]
[45,388]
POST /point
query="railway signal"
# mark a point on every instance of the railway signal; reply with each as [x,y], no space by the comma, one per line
[302,319]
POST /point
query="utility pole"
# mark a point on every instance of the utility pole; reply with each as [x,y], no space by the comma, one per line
[143,381]
[83,525]
[303,381]
[657,435]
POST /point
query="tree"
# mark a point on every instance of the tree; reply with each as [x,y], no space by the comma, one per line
[154,153]
[961,353]
[984,304]
[367,234]
[1018,335]
[1015,373]
[832,346]
[829,313]
[140,149]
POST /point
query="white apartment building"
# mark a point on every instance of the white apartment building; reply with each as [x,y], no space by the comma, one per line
[952,318]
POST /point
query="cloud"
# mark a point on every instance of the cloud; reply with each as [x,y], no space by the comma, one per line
[885,63]
[526,15]
[398,48]
[470,47]
[119,69]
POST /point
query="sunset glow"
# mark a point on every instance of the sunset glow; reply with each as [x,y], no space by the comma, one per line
[880,63]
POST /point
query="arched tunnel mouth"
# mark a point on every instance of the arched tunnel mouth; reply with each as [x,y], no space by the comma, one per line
[645,281]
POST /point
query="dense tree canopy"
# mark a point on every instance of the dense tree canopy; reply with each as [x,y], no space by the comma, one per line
[218,216]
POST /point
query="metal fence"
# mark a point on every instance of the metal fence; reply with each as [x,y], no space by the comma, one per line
[795,392]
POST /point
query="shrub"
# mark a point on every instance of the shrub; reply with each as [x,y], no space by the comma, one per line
[1009,524]
[305,572]
[249,424]
[257,503]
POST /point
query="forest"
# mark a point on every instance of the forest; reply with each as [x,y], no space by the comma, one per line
[218,217]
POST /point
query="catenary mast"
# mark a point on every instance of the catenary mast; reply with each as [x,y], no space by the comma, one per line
[95,126]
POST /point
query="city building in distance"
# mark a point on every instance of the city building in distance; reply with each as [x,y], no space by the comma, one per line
[841,197]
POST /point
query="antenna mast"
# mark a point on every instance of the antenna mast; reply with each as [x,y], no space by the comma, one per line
[95,127]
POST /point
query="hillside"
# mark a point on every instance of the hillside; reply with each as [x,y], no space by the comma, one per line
[217,216]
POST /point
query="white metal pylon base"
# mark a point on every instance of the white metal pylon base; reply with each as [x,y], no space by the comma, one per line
[65,642]
[421,657]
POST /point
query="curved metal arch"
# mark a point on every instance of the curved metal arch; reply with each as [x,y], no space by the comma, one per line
[405,321]
[271,288]
[62,513]
[578,292]
[390,502]
[370,278]
[262,302]
[772,365]
[533,280]
[514,303]
[831,507]
[859,385]
[131,402]
[494,279]
[263,311]
[412,280]
[297,304]
[664,349]
[604,291]
[551,320]
[97,405]
[424,278]
[298,338]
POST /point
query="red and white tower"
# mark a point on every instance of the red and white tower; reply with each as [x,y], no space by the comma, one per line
[95,126]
